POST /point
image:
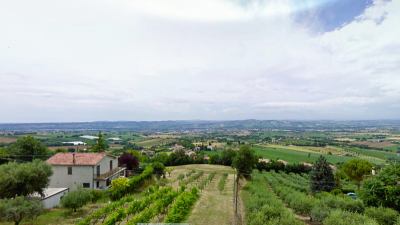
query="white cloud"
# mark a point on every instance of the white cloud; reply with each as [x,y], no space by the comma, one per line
[153,60]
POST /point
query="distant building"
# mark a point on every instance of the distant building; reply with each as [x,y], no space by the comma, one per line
[282,161]
[75,143]
[264,160]
[114,139]
[90,137]
[177,147]
[190,153]
[307,164]
[87,170]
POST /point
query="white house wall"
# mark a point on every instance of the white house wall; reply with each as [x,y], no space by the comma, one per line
[53,200]
[80,175]
[105,164]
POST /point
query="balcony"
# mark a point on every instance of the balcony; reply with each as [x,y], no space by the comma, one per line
[114,173]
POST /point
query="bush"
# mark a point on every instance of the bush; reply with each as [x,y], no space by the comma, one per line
[383,189]
[320,212]
[96,195]
[124,186]
[76,199]
[159,169]
[384,216]
[338,217]
[341,202]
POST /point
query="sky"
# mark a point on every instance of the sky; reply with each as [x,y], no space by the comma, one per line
[91,60]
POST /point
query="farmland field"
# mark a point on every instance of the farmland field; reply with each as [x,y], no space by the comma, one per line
[294,156]
[7,140]
[162,204]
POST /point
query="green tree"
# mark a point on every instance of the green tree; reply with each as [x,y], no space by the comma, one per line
[244,161]
[28,148]
[321,177]
[227,157]
[18,208]
[101,144]
[76,199]
[23,178]
[159,169]
[356,169]
[384,188]
[4,156]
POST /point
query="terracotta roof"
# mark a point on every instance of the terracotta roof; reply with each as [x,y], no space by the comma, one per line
[88,159]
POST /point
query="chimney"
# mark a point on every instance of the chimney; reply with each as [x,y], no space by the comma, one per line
[73,158]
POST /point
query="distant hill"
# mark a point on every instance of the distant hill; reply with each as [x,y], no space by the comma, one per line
[203,125]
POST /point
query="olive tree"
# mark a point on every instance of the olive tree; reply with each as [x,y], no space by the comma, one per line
[76,199]
[19,208]
[23,179]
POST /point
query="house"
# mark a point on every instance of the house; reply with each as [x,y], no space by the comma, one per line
[51,196]
[282,161]
[90,137]
[264,160]
[190,153]
[177,148]
[87,170]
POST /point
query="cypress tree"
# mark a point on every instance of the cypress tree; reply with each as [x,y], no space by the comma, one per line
[322,178]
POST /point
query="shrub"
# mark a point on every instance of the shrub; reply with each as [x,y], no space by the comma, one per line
[181,176]
[96,195]
[384,216]
[117,186]
[341,202]
[124,186]
[76,199]
[320,212]
[338,217]
[383,189]
[159,169]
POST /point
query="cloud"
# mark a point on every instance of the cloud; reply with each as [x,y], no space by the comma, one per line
[149,60]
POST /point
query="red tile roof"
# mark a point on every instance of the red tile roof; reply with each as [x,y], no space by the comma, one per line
[83,159]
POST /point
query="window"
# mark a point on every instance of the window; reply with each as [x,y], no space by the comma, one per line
[98,170]
[86,185]
[69,170]
[97,184]
[111,165]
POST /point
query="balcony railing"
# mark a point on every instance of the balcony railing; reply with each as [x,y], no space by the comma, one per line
[111,173]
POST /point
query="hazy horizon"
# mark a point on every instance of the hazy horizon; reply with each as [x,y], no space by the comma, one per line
[154,60]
